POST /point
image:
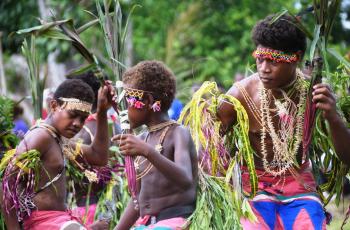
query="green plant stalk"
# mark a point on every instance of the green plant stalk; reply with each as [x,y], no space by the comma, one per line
[37,85]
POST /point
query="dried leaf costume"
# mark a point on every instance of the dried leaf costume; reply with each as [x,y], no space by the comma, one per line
[220,202]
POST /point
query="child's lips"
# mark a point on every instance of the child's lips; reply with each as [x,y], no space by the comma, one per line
[265,80]
[73,131]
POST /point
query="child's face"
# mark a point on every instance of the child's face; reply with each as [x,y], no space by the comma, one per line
[138,107]
[68,122]
[275,74]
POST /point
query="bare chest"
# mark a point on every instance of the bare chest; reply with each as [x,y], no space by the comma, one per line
[53,160]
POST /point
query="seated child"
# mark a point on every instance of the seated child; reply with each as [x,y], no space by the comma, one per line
[165,156]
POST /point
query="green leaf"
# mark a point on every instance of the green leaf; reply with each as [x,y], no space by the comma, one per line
[37,30]
[127,22]
[55,34]
[70,31]
[119,63]
[339,57]
[87,25]
[278,15]
[316,37]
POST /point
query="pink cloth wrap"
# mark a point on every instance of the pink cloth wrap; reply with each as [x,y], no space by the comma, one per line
[80,212]
[48,220]
[172,224]
[304,183]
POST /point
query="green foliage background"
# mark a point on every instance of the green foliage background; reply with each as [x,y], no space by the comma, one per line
[199,39]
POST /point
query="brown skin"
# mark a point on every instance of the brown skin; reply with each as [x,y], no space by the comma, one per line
[81,192]
[67,123]
[173,179]
[276,76]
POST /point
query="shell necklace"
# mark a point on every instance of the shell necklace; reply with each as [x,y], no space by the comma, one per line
[286,140]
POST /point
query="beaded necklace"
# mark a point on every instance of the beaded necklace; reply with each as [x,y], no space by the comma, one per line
[285,142]
[160,126]
[158,147]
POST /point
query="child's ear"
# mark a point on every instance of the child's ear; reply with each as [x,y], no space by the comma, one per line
[53,105]
[149,100]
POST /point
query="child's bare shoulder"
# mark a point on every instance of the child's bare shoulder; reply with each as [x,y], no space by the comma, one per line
[38,139]
[181,133]
[249,84]
[181,129]
[245,83]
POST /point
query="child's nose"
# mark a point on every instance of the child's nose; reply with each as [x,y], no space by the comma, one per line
[265,66]
[77,122]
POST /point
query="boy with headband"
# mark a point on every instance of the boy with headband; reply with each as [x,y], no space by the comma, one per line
[35,194]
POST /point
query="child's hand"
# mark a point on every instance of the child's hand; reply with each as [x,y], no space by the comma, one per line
[324,99]
[104,101]
[131,145]
[111,91]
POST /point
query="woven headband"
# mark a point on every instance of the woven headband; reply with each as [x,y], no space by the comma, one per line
[75,104]
[275,55]
[135,92]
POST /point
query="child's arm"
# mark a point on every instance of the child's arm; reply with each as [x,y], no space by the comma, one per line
[180,170]
[10,218]
[128,218]
[39,140]
[97,152]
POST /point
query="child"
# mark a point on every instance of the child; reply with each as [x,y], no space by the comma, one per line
[165,157]
[87,135]
[274,99]
[39,198]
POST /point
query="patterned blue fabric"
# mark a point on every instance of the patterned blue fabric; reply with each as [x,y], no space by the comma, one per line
[289,211]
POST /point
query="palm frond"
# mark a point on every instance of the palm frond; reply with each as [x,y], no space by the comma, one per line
[69,30]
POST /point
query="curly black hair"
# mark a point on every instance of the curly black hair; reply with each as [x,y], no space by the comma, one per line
[280,35]
[153,76]
[74,88]
[90,79]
